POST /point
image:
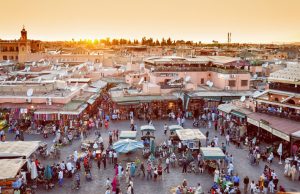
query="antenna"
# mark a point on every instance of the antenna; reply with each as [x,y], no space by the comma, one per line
[29,92]
[211,84]
[187,78]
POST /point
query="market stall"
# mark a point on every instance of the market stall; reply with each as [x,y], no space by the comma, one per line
[9,169]
[191,138]
[17,149]
[210,155]
[128,135]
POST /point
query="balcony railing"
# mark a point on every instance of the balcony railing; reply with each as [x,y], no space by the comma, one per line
[283,114]
[286,88]
[197,69]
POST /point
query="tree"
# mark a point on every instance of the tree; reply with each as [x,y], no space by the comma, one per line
[163,42]
[169,42]
[157,43]
[144,41]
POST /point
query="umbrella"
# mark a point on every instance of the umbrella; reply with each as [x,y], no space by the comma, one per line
[127,145]
[48,173]
[152,147]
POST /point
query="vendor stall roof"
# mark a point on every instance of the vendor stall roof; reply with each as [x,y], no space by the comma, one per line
[190,134]
[147,128]
[143,98]
[227,108]
[280,127]
[18,148]
[212,153]
[128,134]
[9,168]
[175,127]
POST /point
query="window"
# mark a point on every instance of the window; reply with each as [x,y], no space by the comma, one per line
[244,83]
[231,83]
[202,80]
[4,57]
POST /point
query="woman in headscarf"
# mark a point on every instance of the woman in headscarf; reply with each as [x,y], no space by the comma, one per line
[33,170]
[132,169]
[114,184]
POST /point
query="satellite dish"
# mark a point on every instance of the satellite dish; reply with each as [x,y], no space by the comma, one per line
[207,82]
[187,78]
[54,78]
[210,84]
[243,98]
[52,67]
[255,76]
[24,79]
[67,66]
[29,92]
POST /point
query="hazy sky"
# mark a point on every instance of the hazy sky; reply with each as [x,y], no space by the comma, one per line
[198,20]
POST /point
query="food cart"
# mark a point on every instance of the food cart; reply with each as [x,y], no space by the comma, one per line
[128,135]
[191,138]
[147,138]
[149,129]
[9,169]
[210,155]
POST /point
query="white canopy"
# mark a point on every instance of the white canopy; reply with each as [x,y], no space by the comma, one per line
[18,148]
[9,168]
[190,134]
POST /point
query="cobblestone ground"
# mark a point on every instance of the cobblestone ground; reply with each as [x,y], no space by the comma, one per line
[174,178]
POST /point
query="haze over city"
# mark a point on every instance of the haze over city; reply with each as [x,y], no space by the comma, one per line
[197,20]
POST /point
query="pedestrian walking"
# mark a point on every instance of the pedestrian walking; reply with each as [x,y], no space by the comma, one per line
[246,184]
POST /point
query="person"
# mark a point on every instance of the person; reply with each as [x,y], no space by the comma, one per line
[60,177]
[227,137]
[199,189]
[149,171]
[270,158]
[17,134]
[110,155]
[108,183]
[99,161]
[155,173]
[132,170]
[107,191]
[246,183]
[129,189]
[167,168]
[184,166]
[216,175]
[69,168]
[115,155]
[114,184]
[159,170]
[165,129]
[142,168]
[236,180]
[127,176]
[104,160]
[252,187]
[77,179]
[271,186]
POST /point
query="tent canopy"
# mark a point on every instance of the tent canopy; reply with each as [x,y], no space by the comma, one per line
[128,135]
[175,127]
[18,148]
[147,128]
[127,145]
[9,168]
[212,153]
[190,134]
